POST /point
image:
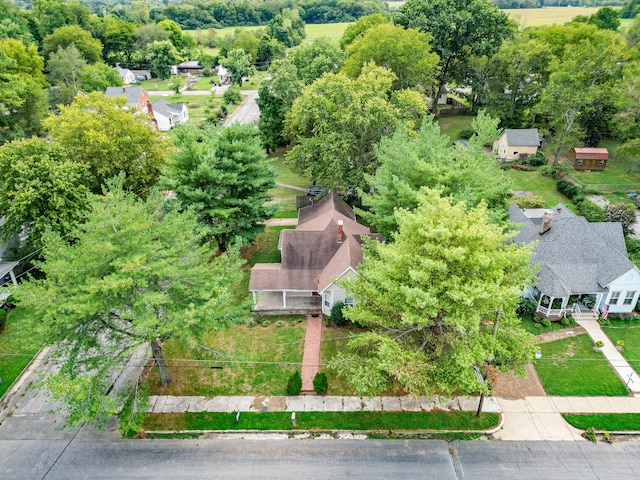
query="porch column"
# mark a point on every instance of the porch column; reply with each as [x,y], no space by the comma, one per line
[255,298]
[13,277]
[565,301]
[284,298]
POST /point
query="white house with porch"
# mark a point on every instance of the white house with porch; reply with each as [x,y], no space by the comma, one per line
[583,265]
[326,246]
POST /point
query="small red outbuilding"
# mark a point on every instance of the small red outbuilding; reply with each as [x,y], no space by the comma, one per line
[588,158]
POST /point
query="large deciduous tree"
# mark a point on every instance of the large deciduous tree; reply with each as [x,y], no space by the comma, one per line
[314,59]
[161,55]
[407,53]
[424,298]
[585,71]
[224,178]
[64,37]
[408,162]
[336,122]
[460,30]
[239,64]
[135,276]
[23,101]
[275,97]
[40,189]
[96,131]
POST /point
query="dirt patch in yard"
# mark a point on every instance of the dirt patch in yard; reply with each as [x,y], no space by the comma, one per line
[510,386]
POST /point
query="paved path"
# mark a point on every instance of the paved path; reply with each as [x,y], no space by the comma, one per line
[292,187]
[615,358]
[539,418]
[317,403]
[311,357]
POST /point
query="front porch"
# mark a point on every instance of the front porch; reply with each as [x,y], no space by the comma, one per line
[285,303]
[555,308]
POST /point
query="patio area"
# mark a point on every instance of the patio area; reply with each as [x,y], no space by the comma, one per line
[285,303]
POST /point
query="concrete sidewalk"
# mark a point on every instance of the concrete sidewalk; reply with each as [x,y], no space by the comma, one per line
[539,418]
[313,403]
[615,358]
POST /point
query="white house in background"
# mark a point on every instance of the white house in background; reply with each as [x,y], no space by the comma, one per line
[517,144]
[167,115]
[223,74]
[127,76]
[583,265]
[326,246]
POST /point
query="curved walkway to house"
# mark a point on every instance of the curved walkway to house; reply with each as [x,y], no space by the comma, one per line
[615,358]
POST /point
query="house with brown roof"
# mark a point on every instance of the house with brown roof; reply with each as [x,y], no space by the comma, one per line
[325,246]
[583,158]
[137,97]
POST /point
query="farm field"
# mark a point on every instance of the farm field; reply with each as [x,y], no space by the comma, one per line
[529,17]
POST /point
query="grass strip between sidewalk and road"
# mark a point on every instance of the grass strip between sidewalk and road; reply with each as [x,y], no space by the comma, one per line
[398,421]
[612,422]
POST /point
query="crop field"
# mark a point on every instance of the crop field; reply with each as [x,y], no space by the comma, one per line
[530,17]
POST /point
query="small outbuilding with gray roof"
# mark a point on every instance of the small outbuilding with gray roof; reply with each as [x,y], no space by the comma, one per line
[582,264]
[517,144]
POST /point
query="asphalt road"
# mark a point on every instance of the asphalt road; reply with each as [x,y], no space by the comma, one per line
[91,458]
[248,111]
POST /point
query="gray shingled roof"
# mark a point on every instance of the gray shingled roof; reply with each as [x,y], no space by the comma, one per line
[523,137]
[132,93]
[165,108]
[575,256]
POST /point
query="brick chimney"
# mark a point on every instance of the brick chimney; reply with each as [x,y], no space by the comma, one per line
[153,117]
[547,220]
[340,233]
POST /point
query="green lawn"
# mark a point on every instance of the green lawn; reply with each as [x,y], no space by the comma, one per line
[617,171]
[256,361]
[21,349]
[200,106]
[610,422]
[333,339]
[332,30]
[570,367]
[629,333]
[322,421]
[452,126]
[204,83]
[154,84]
[541,186]
[284,172]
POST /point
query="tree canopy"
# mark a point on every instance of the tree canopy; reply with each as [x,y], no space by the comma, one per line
[460,30]
[336,122]
[223,177]
[63,37]
[407,53]
[408,162]
[40,189]
[424,299]
[135,276]
[96,131]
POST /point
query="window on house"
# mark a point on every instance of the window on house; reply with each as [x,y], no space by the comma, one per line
[628,298]
[327,299]
[579,162]
[613,299]
[515,153]
[601,162]
[349,301]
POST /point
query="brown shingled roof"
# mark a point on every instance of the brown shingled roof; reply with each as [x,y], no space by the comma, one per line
[312,257]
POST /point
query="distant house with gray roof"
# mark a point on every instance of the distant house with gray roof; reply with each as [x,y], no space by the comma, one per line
[325,246]
[137,97]
[167,115]
[582,264]
[516,144]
